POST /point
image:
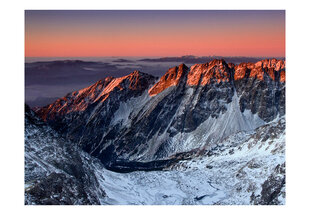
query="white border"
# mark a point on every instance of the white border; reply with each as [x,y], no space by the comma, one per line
[12,104]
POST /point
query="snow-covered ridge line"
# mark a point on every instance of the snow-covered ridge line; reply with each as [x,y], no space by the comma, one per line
[198,74]
[133,118]
[78,101]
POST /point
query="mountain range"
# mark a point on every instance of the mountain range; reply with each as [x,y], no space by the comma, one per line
[212,133]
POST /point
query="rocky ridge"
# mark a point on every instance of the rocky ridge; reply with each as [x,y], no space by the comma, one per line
[134,118]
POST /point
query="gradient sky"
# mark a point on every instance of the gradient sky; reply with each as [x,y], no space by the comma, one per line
[154,33]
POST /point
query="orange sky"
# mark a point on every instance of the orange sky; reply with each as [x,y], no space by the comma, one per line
[154,33]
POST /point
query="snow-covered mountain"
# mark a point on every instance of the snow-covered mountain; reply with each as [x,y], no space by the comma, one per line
[134,118]
[213,133]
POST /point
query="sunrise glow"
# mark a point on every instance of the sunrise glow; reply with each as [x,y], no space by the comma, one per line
[154,33]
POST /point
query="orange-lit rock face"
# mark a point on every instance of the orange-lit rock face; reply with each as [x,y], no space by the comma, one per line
[199,74]
[132,80]
[218,71]
[257,72]
[135,82]
[282,76]
[270,72]
[280,65]
[100,91]
[240,71]
[195,74]
[260,69]
[80,101]
[171,78]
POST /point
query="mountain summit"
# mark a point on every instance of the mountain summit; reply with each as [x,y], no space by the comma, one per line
[171,78]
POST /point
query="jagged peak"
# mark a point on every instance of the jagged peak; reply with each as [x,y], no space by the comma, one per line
[217,62]
[269,63]
[108,79]
[260,69]
[214,62]
[183,67]
[174,74]
[202,74]
[171,78]
[136,73]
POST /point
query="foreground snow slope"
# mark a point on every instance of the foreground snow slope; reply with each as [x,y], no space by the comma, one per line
[246,168]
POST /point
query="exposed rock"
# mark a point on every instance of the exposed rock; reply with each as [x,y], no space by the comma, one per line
[272,189]
[171,78]
[56,172]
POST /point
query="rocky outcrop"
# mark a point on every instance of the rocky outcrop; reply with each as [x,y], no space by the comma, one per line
[56,172]
[273,189]
[57,189]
